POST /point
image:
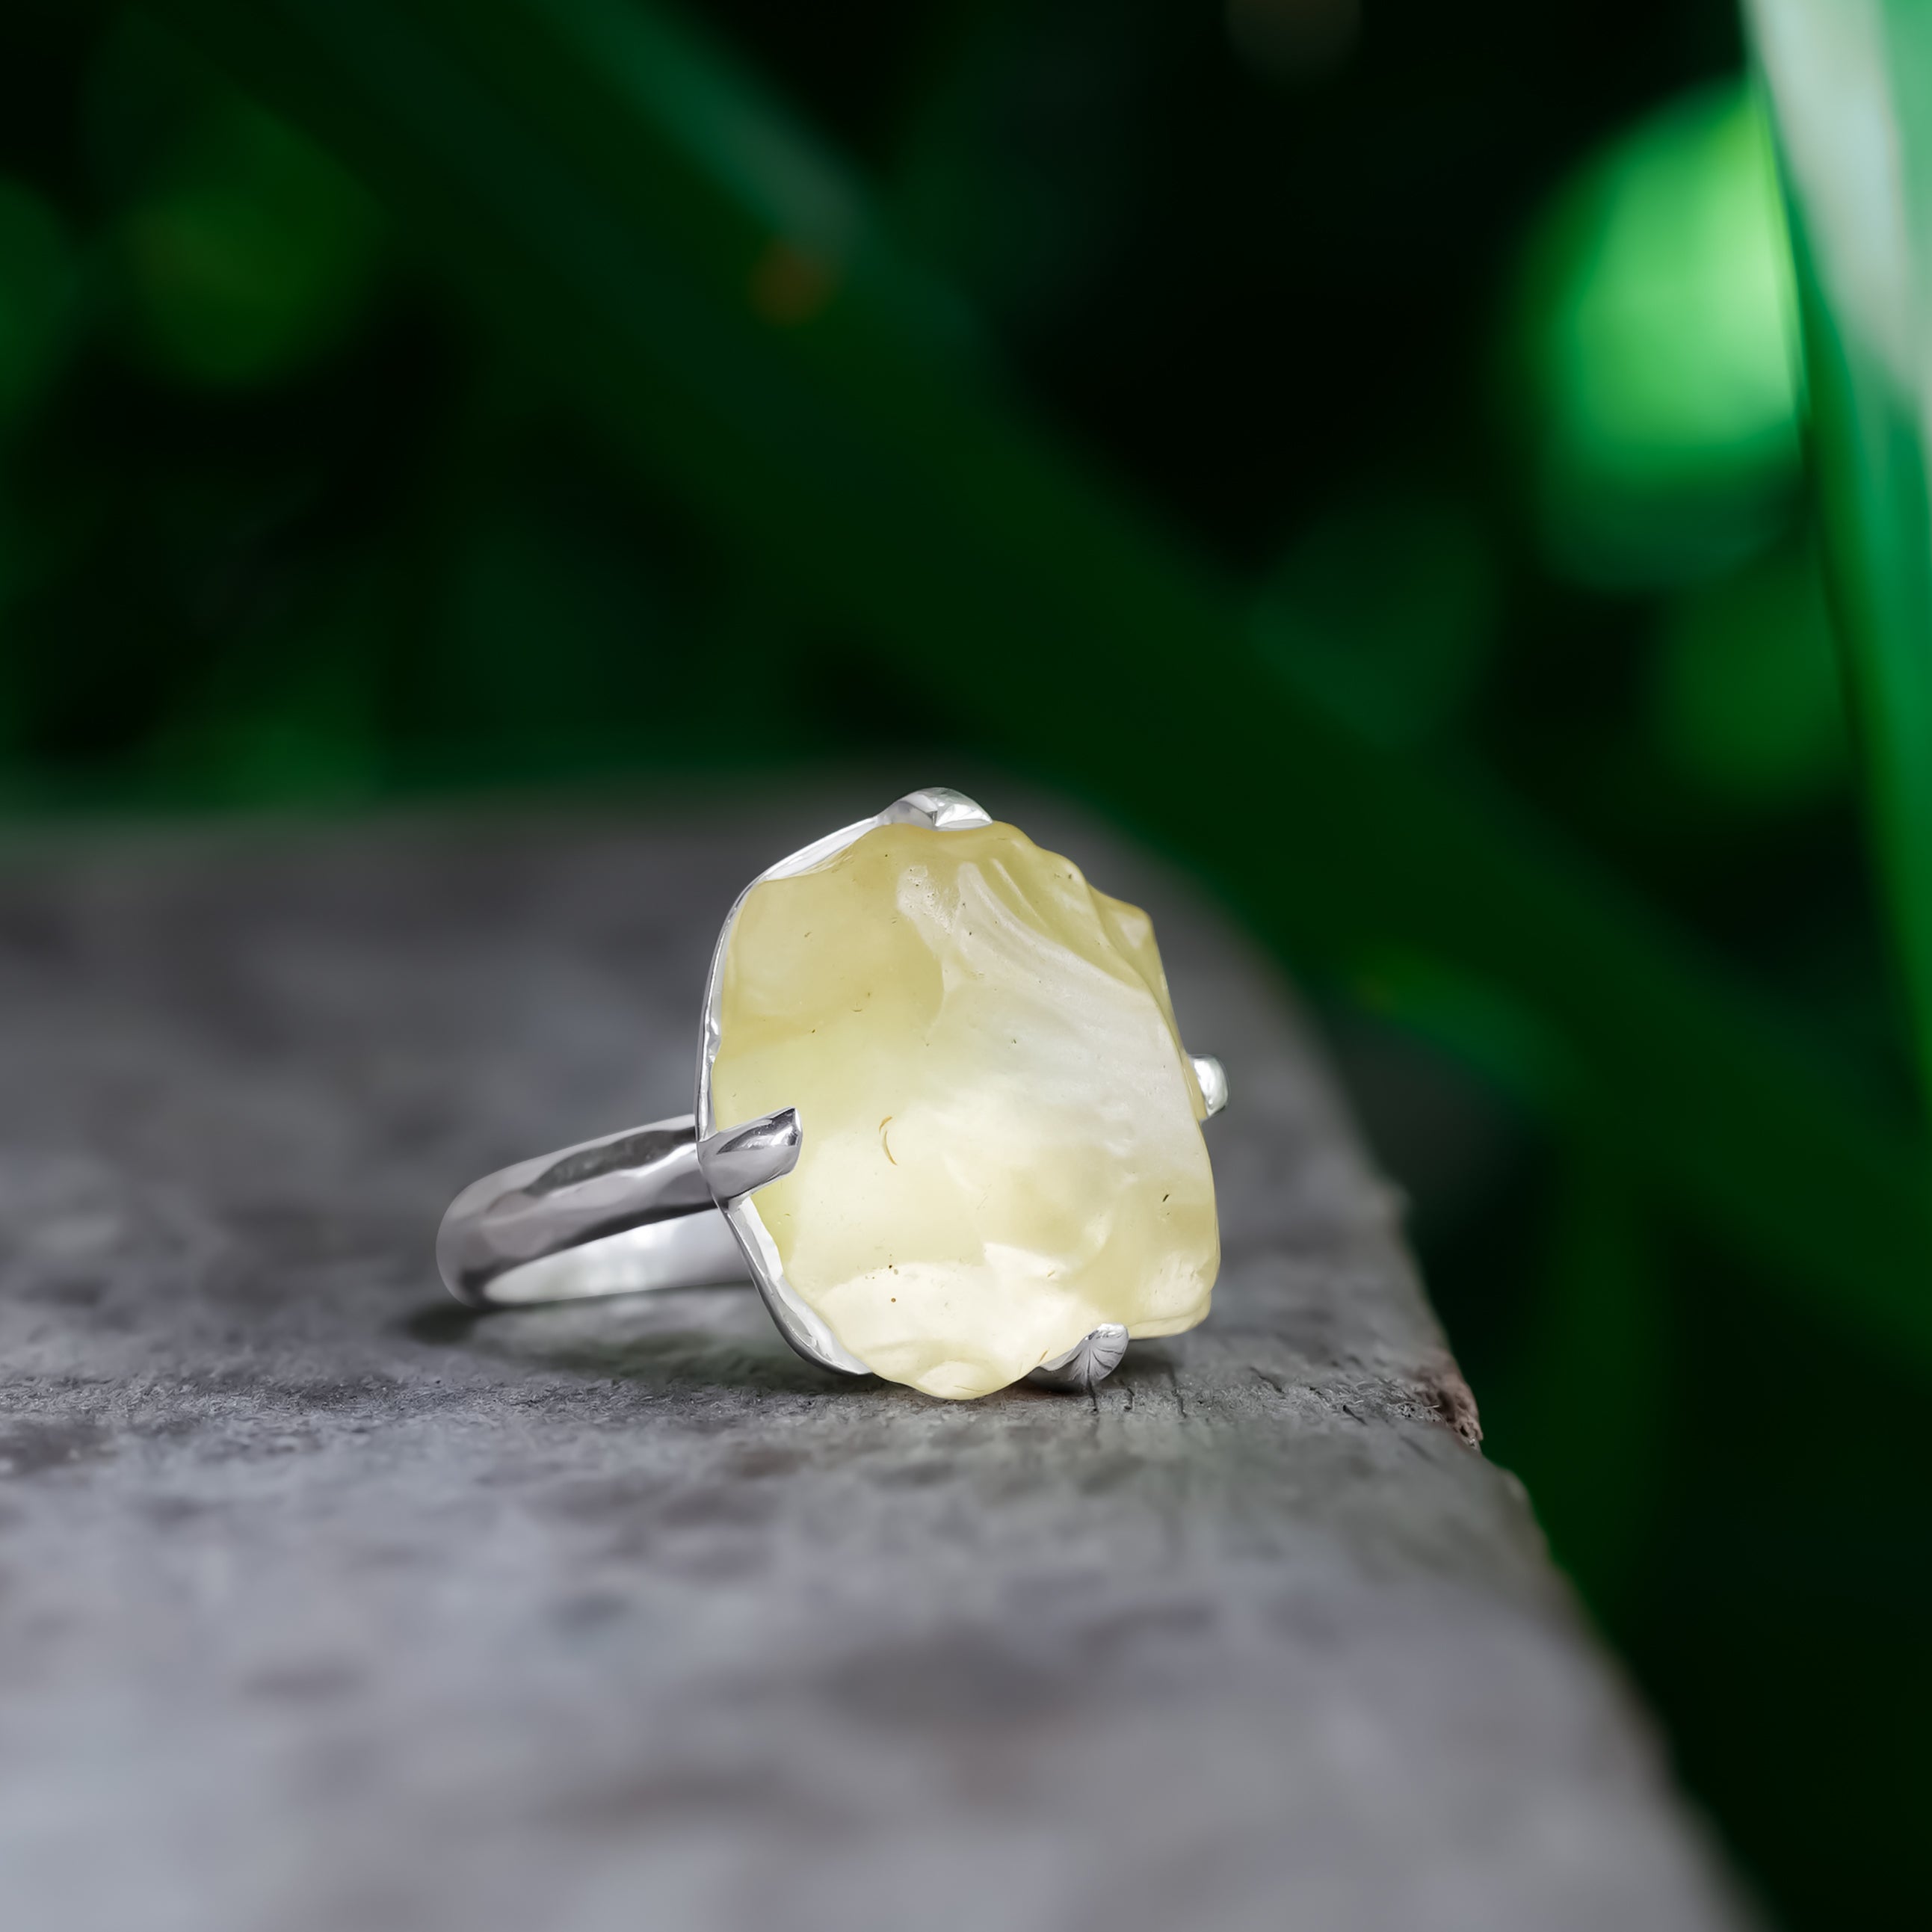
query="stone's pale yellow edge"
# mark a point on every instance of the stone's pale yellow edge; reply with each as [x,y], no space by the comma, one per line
[1133,932]
[1002,1147]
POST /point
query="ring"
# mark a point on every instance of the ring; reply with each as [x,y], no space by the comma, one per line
[944,1122]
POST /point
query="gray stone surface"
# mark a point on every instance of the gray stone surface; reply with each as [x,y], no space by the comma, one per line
[324,1606]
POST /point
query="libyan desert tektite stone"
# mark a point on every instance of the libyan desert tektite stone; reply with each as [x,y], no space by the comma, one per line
[1002,1139]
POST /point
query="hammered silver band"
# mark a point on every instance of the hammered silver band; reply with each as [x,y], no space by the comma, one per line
[632,1211]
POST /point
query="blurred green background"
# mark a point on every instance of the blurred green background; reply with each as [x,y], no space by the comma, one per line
[1360,445]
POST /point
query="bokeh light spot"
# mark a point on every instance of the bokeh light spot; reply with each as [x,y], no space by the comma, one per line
[248,255]
[1659,351]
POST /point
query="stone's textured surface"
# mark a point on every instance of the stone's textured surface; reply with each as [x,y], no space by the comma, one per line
[1002,1140]
[327,1606]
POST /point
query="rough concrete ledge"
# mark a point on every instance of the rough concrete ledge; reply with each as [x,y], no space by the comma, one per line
[326,1606]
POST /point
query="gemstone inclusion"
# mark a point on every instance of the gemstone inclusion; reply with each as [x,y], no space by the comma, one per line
[1002,1146]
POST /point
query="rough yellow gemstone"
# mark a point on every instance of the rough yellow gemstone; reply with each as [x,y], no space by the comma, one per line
[1002,1141]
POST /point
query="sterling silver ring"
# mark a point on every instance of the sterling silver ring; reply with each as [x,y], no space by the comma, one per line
[987,1163]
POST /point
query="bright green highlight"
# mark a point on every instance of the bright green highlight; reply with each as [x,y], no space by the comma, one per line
[1852,88]
[1660,333]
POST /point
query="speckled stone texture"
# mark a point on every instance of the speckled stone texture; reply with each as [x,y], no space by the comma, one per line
[324,1605]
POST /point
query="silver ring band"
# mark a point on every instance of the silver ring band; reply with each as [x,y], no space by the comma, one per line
[633,1211]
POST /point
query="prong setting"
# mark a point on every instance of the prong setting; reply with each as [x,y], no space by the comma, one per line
[1087,1363]
[1212,1077]
[742,1158]
[938,806]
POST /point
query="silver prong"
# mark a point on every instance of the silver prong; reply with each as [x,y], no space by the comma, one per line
[1089,1362]
[736,1160]
[938,806]
[1213,1079]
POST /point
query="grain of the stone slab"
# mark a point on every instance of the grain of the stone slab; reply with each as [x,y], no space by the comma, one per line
[325,1607]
